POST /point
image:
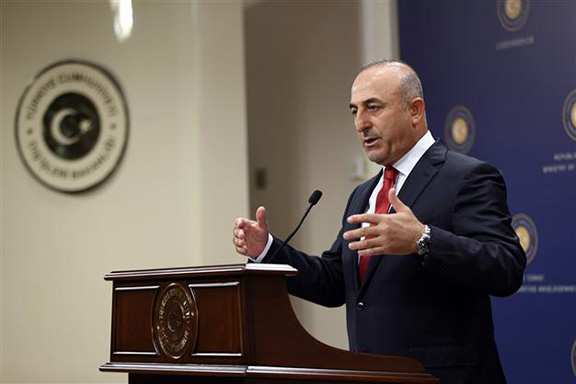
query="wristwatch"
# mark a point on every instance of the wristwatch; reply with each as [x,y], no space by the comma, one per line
[423,243]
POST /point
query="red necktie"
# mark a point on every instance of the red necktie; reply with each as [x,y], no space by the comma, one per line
[382,207]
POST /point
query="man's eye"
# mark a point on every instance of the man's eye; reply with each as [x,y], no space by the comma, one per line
[373,107]
[354,112]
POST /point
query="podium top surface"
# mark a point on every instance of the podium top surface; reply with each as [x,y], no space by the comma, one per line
[216,270]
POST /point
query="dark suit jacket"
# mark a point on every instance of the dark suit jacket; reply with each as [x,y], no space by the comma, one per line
[434,308]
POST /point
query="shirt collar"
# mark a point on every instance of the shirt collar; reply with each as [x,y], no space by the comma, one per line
[406,163]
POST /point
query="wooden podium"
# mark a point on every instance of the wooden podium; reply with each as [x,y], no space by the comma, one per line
[229,324]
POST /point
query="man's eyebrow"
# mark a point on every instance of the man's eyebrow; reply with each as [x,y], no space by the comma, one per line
[366,102]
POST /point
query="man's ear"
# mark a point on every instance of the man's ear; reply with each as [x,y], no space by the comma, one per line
[417,108]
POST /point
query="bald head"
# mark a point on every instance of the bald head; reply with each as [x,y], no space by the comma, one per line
[409,87]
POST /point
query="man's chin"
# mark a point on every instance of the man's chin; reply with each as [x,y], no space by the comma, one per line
[375,157]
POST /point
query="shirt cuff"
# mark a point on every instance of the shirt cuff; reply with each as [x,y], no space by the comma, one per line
[261,256]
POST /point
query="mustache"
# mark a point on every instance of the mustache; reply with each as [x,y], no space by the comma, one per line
[370,134]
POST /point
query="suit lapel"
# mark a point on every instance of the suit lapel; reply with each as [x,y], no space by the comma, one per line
[360,203]
[424,171]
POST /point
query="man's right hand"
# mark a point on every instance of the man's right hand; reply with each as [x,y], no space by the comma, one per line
[250,237]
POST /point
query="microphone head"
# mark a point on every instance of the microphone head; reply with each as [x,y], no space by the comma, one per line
[315,197]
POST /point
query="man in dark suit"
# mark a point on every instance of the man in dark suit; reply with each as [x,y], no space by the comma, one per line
[415,270]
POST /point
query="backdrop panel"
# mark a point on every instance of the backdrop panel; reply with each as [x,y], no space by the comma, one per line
[500,82]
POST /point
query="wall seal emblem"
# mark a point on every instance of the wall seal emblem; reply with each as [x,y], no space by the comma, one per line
[569,114]
[72,126]
[460,129]
[513,14]
[175,320]
[527,234]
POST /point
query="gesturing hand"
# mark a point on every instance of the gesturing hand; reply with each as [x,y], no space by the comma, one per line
[395,233]
[250,237]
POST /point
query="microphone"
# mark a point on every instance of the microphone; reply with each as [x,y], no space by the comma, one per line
[312,201]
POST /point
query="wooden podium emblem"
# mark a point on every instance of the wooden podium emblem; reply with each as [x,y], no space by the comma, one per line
[175,320]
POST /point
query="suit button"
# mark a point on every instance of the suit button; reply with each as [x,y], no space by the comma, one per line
[360,306]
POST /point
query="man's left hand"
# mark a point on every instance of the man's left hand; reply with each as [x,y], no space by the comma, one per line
[395,233]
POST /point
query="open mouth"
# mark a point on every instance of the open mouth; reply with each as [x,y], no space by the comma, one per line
[370,141]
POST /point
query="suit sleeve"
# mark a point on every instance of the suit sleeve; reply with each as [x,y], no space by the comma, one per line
[482,251]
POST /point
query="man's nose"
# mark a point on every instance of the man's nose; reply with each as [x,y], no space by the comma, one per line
[361,122]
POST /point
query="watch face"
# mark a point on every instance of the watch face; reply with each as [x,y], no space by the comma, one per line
[423,243]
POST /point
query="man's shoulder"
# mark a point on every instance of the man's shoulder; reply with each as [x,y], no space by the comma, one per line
[467,168]
[466,162]
[458,166]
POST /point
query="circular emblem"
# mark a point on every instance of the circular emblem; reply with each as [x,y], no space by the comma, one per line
[569,114]
[175,320]
[573,358]
[460,129]
[527,234]
[72,126]
[513,13]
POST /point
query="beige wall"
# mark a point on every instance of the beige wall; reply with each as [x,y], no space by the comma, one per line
[182,71]
[301,58]
[170,203]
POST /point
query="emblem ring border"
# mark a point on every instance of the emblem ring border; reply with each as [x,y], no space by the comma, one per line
[502,18]
[191,296]
[469,143]
[573,358]
[571,97]
[115,83]
[534,241]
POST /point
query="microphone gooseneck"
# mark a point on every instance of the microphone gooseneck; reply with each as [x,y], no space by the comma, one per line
[312,201]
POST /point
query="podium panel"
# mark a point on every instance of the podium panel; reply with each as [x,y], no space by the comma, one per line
[229,324]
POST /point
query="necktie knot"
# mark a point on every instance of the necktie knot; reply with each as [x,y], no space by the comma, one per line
[390,173]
